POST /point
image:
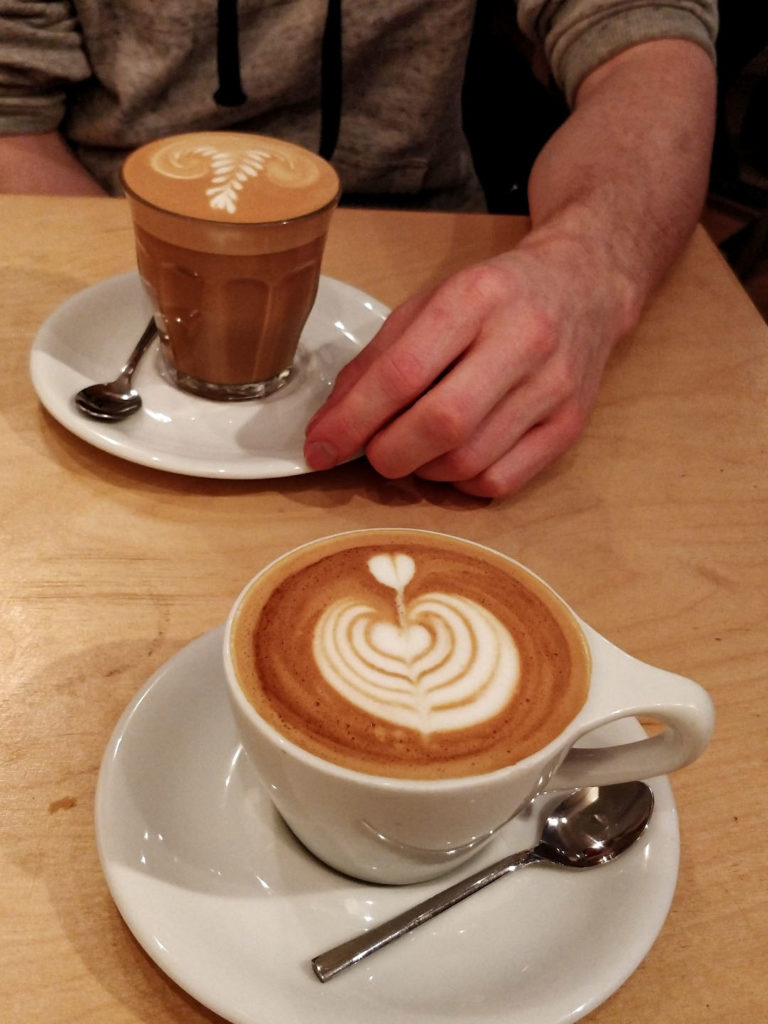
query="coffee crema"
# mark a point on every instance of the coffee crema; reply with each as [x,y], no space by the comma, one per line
[409,655]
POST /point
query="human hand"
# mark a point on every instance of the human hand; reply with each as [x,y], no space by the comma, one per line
[482,381]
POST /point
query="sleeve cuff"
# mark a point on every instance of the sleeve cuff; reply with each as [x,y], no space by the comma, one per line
[577,51]
[30,117]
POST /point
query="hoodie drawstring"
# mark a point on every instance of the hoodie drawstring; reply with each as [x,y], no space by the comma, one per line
[230,91]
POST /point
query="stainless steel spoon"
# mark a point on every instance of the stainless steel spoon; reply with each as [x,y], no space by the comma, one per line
[590,827]
[116,400]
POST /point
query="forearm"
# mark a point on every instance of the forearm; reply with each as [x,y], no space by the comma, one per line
[620,186]
[491,375]
[33,164]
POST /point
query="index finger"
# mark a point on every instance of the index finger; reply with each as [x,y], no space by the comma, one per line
[404,361]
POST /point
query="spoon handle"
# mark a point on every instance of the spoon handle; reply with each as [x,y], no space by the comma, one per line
[327,964]
[141,346]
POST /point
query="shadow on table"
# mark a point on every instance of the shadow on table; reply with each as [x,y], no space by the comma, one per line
[331,489]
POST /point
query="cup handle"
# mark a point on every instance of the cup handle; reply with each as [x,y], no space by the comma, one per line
[637,689]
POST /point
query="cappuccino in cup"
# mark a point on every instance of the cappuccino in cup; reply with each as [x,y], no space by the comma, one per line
[230,231]
[402,694]
[409,655]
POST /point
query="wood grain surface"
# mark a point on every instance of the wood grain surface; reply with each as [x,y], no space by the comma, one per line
[654,527]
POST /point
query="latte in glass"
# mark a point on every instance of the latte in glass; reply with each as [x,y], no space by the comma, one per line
[230,232]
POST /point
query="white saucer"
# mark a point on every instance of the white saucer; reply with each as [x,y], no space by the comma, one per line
[88,338]
[232,908]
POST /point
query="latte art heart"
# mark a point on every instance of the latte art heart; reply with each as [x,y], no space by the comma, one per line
[409,654]
[444,663]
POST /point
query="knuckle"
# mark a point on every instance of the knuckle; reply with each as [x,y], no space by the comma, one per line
[488,281]
[480,287]
[541,337]
[400,374]
[446,424]
[492,483]
[454,466]
[463,465]
[346,373]
[383,465]
[561,382]
[572,421]
[390,460]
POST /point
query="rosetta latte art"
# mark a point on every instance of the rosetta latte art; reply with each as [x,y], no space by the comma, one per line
[445,662]
[232,169]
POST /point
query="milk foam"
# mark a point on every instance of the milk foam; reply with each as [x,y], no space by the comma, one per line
[230,178]
[446,663]
[235,167]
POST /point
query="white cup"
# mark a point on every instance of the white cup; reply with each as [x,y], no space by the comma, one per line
[395,830]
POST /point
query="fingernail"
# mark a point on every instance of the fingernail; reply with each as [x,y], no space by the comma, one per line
[320,454]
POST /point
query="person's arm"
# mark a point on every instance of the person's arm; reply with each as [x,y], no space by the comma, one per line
[490,376]
[42,58]
[33,164]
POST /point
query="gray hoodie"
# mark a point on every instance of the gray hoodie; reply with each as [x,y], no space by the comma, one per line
[111,74]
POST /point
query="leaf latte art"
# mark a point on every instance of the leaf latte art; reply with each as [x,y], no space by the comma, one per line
[228,178]
[232,169]
[445,663]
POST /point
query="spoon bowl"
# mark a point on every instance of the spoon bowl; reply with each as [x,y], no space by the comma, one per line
[591,826]
[117,399]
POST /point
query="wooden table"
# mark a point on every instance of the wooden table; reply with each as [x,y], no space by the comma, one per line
[654,527]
